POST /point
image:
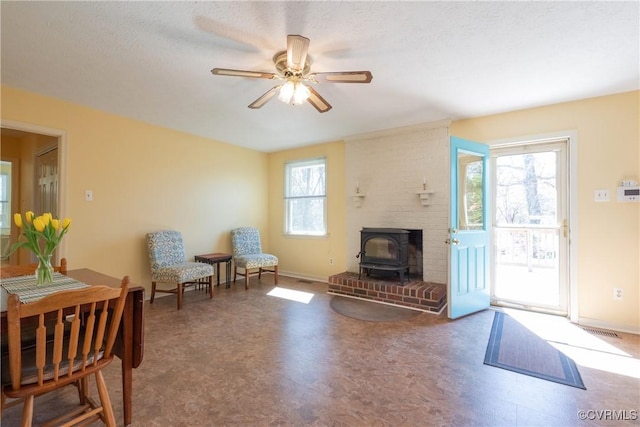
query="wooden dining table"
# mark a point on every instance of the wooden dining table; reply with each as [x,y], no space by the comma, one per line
[130,342]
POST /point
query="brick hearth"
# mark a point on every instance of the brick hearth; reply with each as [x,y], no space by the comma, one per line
[416,294]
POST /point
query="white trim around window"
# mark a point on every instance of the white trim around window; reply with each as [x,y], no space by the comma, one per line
[305,198]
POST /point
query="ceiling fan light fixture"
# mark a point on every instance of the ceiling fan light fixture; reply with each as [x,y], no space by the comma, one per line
[301,94]
[293,68]
[294,93]
[286,92]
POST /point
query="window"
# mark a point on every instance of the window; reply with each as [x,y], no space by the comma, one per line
[5,194]
[470,208]
[305,197]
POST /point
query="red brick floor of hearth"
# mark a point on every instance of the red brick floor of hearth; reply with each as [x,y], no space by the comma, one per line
[415,294]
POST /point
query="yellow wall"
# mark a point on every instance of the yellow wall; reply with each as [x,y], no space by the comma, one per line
[144,178]
[608,233]
[309,256]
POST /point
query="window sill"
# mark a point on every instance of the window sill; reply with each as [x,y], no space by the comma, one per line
[305,236]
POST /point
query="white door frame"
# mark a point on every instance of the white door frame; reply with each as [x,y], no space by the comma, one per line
[572,175]
[62,164]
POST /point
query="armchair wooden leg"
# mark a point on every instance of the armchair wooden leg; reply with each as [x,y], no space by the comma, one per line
[211,287]
[275,275]
[179,292]
[153,292]
[260,273]
[235,274]
[246,278]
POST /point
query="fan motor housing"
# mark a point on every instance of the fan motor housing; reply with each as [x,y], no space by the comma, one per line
[280,61]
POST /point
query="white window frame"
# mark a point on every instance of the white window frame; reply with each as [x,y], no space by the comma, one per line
[5,195]
[289,200]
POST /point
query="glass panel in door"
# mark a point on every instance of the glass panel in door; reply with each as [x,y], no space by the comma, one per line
[530,227]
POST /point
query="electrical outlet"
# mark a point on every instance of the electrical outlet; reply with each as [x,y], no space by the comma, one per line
[601,195]
[617,294]
[88,195]
[330,260]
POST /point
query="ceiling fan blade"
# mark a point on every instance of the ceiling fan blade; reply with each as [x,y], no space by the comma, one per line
[297,49]
[342,77]
[264,98]
[317,101]
[243,73]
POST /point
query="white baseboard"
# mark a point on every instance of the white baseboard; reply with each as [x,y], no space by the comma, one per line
[600,324]
[303,276]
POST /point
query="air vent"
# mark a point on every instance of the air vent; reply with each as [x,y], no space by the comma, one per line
[305,281]
[601,332]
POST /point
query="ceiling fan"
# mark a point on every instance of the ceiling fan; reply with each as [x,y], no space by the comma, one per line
[293,69]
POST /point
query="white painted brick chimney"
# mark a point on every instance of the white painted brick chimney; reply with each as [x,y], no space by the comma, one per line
[389,168]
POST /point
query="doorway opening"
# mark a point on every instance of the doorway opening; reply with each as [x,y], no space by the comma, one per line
[35,155]
[531,226]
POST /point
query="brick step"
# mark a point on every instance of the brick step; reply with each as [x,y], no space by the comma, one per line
[425,296]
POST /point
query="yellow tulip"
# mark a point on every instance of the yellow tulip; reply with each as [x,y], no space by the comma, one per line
[17,218]
[55,223]
[29,216]
[46,218]
[39,224]
[66,223]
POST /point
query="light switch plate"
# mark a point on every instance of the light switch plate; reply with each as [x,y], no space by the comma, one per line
[601,195]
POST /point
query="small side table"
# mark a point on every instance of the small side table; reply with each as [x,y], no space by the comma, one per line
[216,259]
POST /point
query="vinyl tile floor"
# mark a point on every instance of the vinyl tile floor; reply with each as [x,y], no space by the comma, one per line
[245,358]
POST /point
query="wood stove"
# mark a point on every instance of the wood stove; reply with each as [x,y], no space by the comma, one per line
[384,251]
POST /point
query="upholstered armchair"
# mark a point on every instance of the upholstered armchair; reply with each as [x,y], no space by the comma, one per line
[247,255]
[169,265]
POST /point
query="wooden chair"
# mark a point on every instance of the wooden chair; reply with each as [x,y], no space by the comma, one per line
[28,330]
[29,269]
[247,254]
[85,330]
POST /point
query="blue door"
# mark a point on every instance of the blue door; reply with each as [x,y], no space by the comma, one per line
[468,241]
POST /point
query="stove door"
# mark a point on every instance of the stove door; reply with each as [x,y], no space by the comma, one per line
[381,250]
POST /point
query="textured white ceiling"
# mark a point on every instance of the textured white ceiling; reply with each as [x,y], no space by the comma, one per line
[151,61]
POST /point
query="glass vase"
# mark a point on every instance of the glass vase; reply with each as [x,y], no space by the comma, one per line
[44,270]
